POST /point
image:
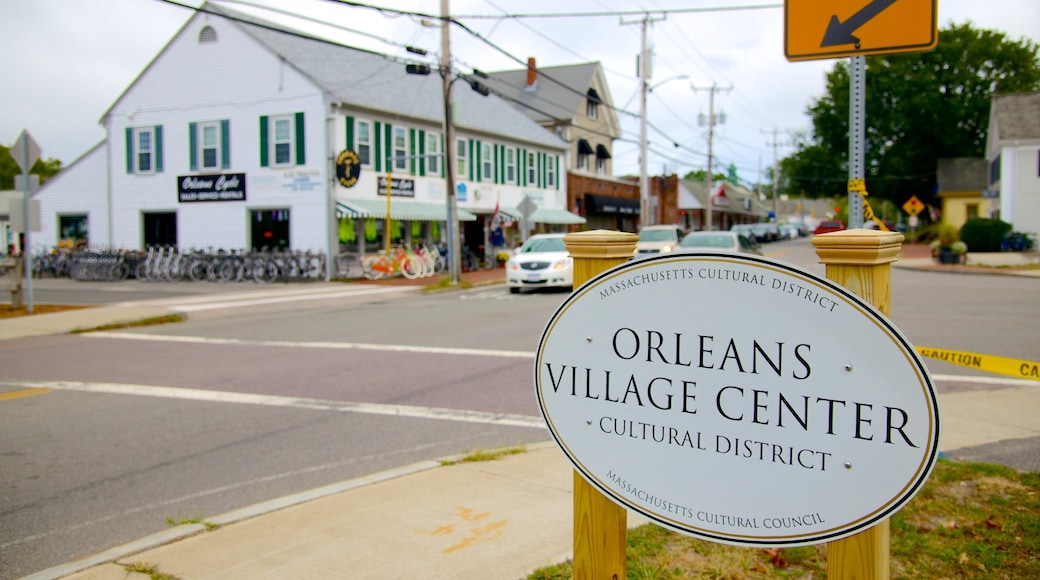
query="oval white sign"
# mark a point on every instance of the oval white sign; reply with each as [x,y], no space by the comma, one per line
[737,399]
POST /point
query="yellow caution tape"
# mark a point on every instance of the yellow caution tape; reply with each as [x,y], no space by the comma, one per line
[1012,367]
[860,186]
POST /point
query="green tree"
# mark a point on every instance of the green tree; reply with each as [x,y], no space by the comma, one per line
[702,175]
[45,168]
[920,107]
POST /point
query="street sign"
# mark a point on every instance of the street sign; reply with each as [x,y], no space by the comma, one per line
[824,29]
[913,206]
[527,207]
[18,151]
[752,434]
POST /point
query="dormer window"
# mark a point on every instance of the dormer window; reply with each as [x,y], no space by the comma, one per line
[207,35]
[592,103]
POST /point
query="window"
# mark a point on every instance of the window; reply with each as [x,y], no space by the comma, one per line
[487,161]
[601,165]
[282,143]
[400,149]
[532,169]
[550,171]
[971,211]
[282,140]
[461,159]
[364,142]
[583,161]
[510,165]
[73,230]
[433,150]
[592,102]
[144,149]
[994,170]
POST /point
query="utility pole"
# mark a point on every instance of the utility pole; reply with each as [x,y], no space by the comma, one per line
[644,77]
[711,138]
[776,170]
[454,243]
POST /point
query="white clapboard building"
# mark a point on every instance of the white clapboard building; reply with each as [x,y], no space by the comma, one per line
[230,137]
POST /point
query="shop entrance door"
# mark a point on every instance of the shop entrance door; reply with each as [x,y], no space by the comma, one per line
[160,229]
[269,229]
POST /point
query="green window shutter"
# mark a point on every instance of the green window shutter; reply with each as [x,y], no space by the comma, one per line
[193,147]
[479,161]
[158,149]
[411,151]
[379,146]
[523,165]
[301,152]
[498,172]
[388,138]
[558,176]
[264,162]
[444,157]
[129,150]
[422,152]
[543,160]
[225,144]
[350,132]
[472,155]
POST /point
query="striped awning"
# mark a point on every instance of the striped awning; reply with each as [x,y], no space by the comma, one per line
[400,209]
[544,215]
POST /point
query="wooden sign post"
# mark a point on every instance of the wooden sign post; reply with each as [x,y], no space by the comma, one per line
[861,260]
[599,523]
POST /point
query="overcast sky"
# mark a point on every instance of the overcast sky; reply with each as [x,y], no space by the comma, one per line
[64,62]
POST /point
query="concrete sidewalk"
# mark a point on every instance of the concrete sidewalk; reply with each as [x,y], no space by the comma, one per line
[496,519]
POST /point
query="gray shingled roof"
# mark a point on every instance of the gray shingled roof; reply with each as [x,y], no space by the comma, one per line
[559,92]
[367,80]
[962,174]
[1017,115]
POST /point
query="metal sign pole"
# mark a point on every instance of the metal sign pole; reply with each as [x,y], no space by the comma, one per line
[857,130]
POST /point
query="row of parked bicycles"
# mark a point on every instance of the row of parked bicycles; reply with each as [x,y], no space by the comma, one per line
[168,264]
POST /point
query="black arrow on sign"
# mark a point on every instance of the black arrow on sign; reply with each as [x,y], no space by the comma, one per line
[841,32]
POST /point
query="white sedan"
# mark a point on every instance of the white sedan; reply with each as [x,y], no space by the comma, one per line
[542,262]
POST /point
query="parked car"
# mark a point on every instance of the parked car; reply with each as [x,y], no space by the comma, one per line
[658,239]
[718,241]
[766,231]
[792,231]
[541,262]
[746,230]
[828,226]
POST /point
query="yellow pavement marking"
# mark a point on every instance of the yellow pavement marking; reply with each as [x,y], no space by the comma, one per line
[23,393]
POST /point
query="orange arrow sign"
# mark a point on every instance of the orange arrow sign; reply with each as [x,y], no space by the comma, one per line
[822,29]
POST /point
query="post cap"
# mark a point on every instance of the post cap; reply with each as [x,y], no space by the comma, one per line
[601,244]
[858,247]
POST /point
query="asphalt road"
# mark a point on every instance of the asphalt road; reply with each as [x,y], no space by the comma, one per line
[256,399]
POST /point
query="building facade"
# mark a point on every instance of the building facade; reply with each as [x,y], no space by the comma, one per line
[1013,156]
[242,135]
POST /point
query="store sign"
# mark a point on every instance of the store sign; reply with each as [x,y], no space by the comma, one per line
[348,168]
[398,187]
[737,399]
[223,187]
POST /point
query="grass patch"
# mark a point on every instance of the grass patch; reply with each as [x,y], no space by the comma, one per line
[197,519]
[167,319]
[484,455]
[971,520]
[6,311]
[150,569]
[444,283]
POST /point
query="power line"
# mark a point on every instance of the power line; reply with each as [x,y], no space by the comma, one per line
[623,13]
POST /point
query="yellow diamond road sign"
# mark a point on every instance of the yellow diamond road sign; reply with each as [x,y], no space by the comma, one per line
[913,206]
[823,29]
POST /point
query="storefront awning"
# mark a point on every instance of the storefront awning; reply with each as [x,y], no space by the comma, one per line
[584,148]
[601,152]
[400,209]
[545,215]
[608,204]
